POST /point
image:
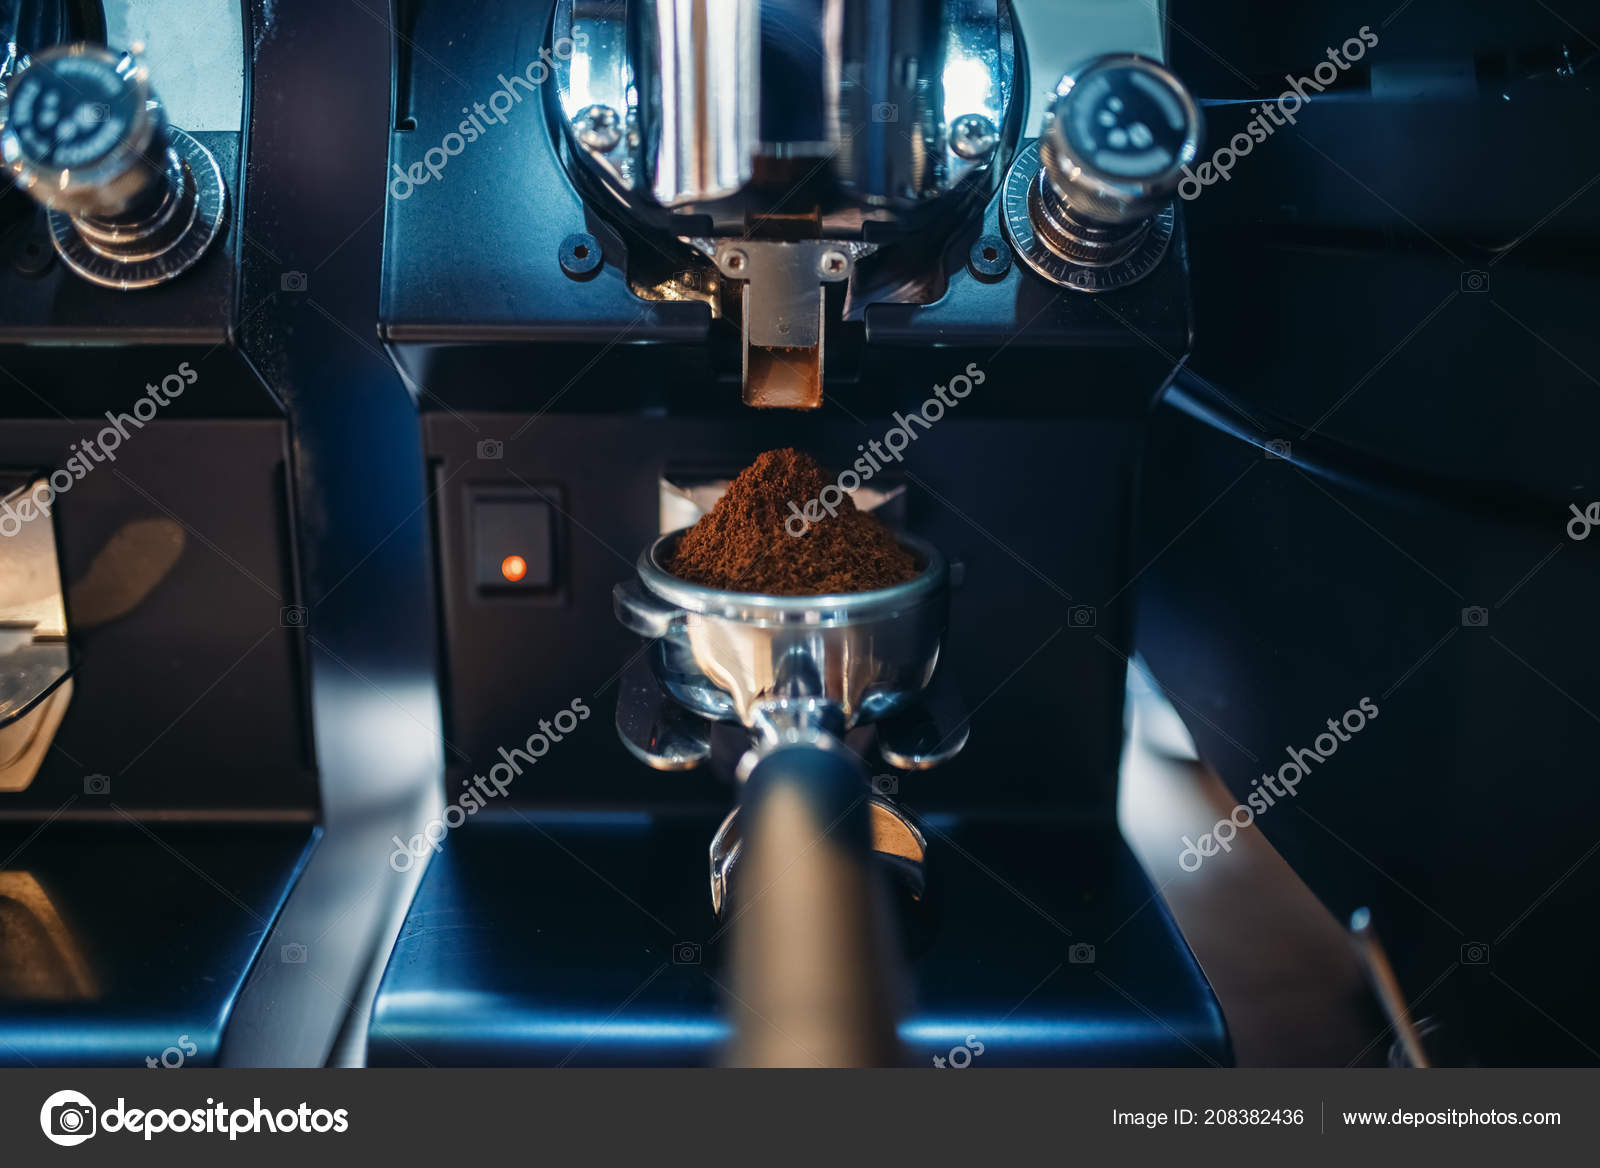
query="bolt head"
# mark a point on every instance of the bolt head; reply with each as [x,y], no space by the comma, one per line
[598,127]
[973,136]
[833,264]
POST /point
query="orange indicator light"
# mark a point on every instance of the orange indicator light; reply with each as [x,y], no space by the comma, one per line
[513,568]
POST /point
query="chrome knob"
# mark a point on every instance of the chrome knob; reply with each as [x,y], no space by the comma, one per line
[132,201]
[1118,134]
[83,135]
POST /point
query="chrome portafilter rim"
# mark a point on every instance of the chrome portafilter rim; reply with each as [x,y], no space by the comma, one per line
[831,609]
[771,663]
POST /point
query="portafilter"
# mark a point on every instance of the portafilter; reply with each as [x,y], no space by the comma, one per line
[814,970]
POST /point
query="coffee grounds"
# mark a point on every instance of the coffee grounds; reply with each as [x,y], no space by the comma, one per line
[742,543]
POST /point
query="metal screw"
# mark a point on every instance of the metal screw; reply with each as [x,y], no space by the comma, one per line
[735,260]
[580,255]
[973,136]
[599,128]
[833,263]
[989,258]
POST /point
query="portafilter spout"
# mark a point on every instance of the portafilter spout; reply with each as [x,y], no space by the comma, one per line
[816,977]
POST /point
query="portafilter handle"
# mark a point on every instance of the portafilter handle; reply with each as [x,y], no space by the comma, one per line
[815,971]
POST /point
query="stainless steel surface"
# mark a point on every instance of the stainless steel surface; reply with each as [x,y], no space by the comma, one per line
[930,731]
[920,98]
[597,74]
[782,312]
[1046,253]
[908,108]
[1088,205]
[1386,987]
[1119,131]
[162,246]
[133,201]
[9,64]
[758,659]
[703,91]
[815,968]
[656,730]
[82,133]
[895,840]
[599,127]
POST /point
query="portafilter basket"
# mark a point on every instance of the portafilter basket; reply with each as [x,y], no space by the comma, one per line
[792,669]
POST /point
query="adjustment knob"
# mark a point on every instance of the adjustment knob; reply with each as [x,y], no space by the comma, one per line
[1119,132]
[82,133]
[132,201]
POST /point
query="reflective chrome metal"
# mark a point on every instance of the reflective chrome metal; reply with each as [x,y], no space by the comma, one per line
[1059,256]
[595,73]
[81,131]
[783,311]
[1110,162]
[914,92]
[840,660]
[973,136]
[132,201]
[905,100]
[927,732]
[895,839]
[703,92]
[1089,204]
[656,730]
[10,63]
[599,128]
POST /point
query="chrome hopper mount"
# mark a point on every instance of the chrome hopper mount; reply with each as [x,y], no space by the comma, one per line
[783,140]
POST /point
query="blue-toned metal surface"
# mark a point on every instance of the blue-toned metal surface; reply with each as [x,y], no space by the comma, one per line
[587,941]
[121,943]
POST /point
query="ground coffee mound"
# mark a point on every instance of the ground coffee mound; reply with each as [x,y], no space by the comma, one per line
[742,544]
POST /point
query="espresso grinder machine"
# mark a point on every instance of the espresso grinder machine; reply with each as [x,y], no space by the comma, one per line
[628,247]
